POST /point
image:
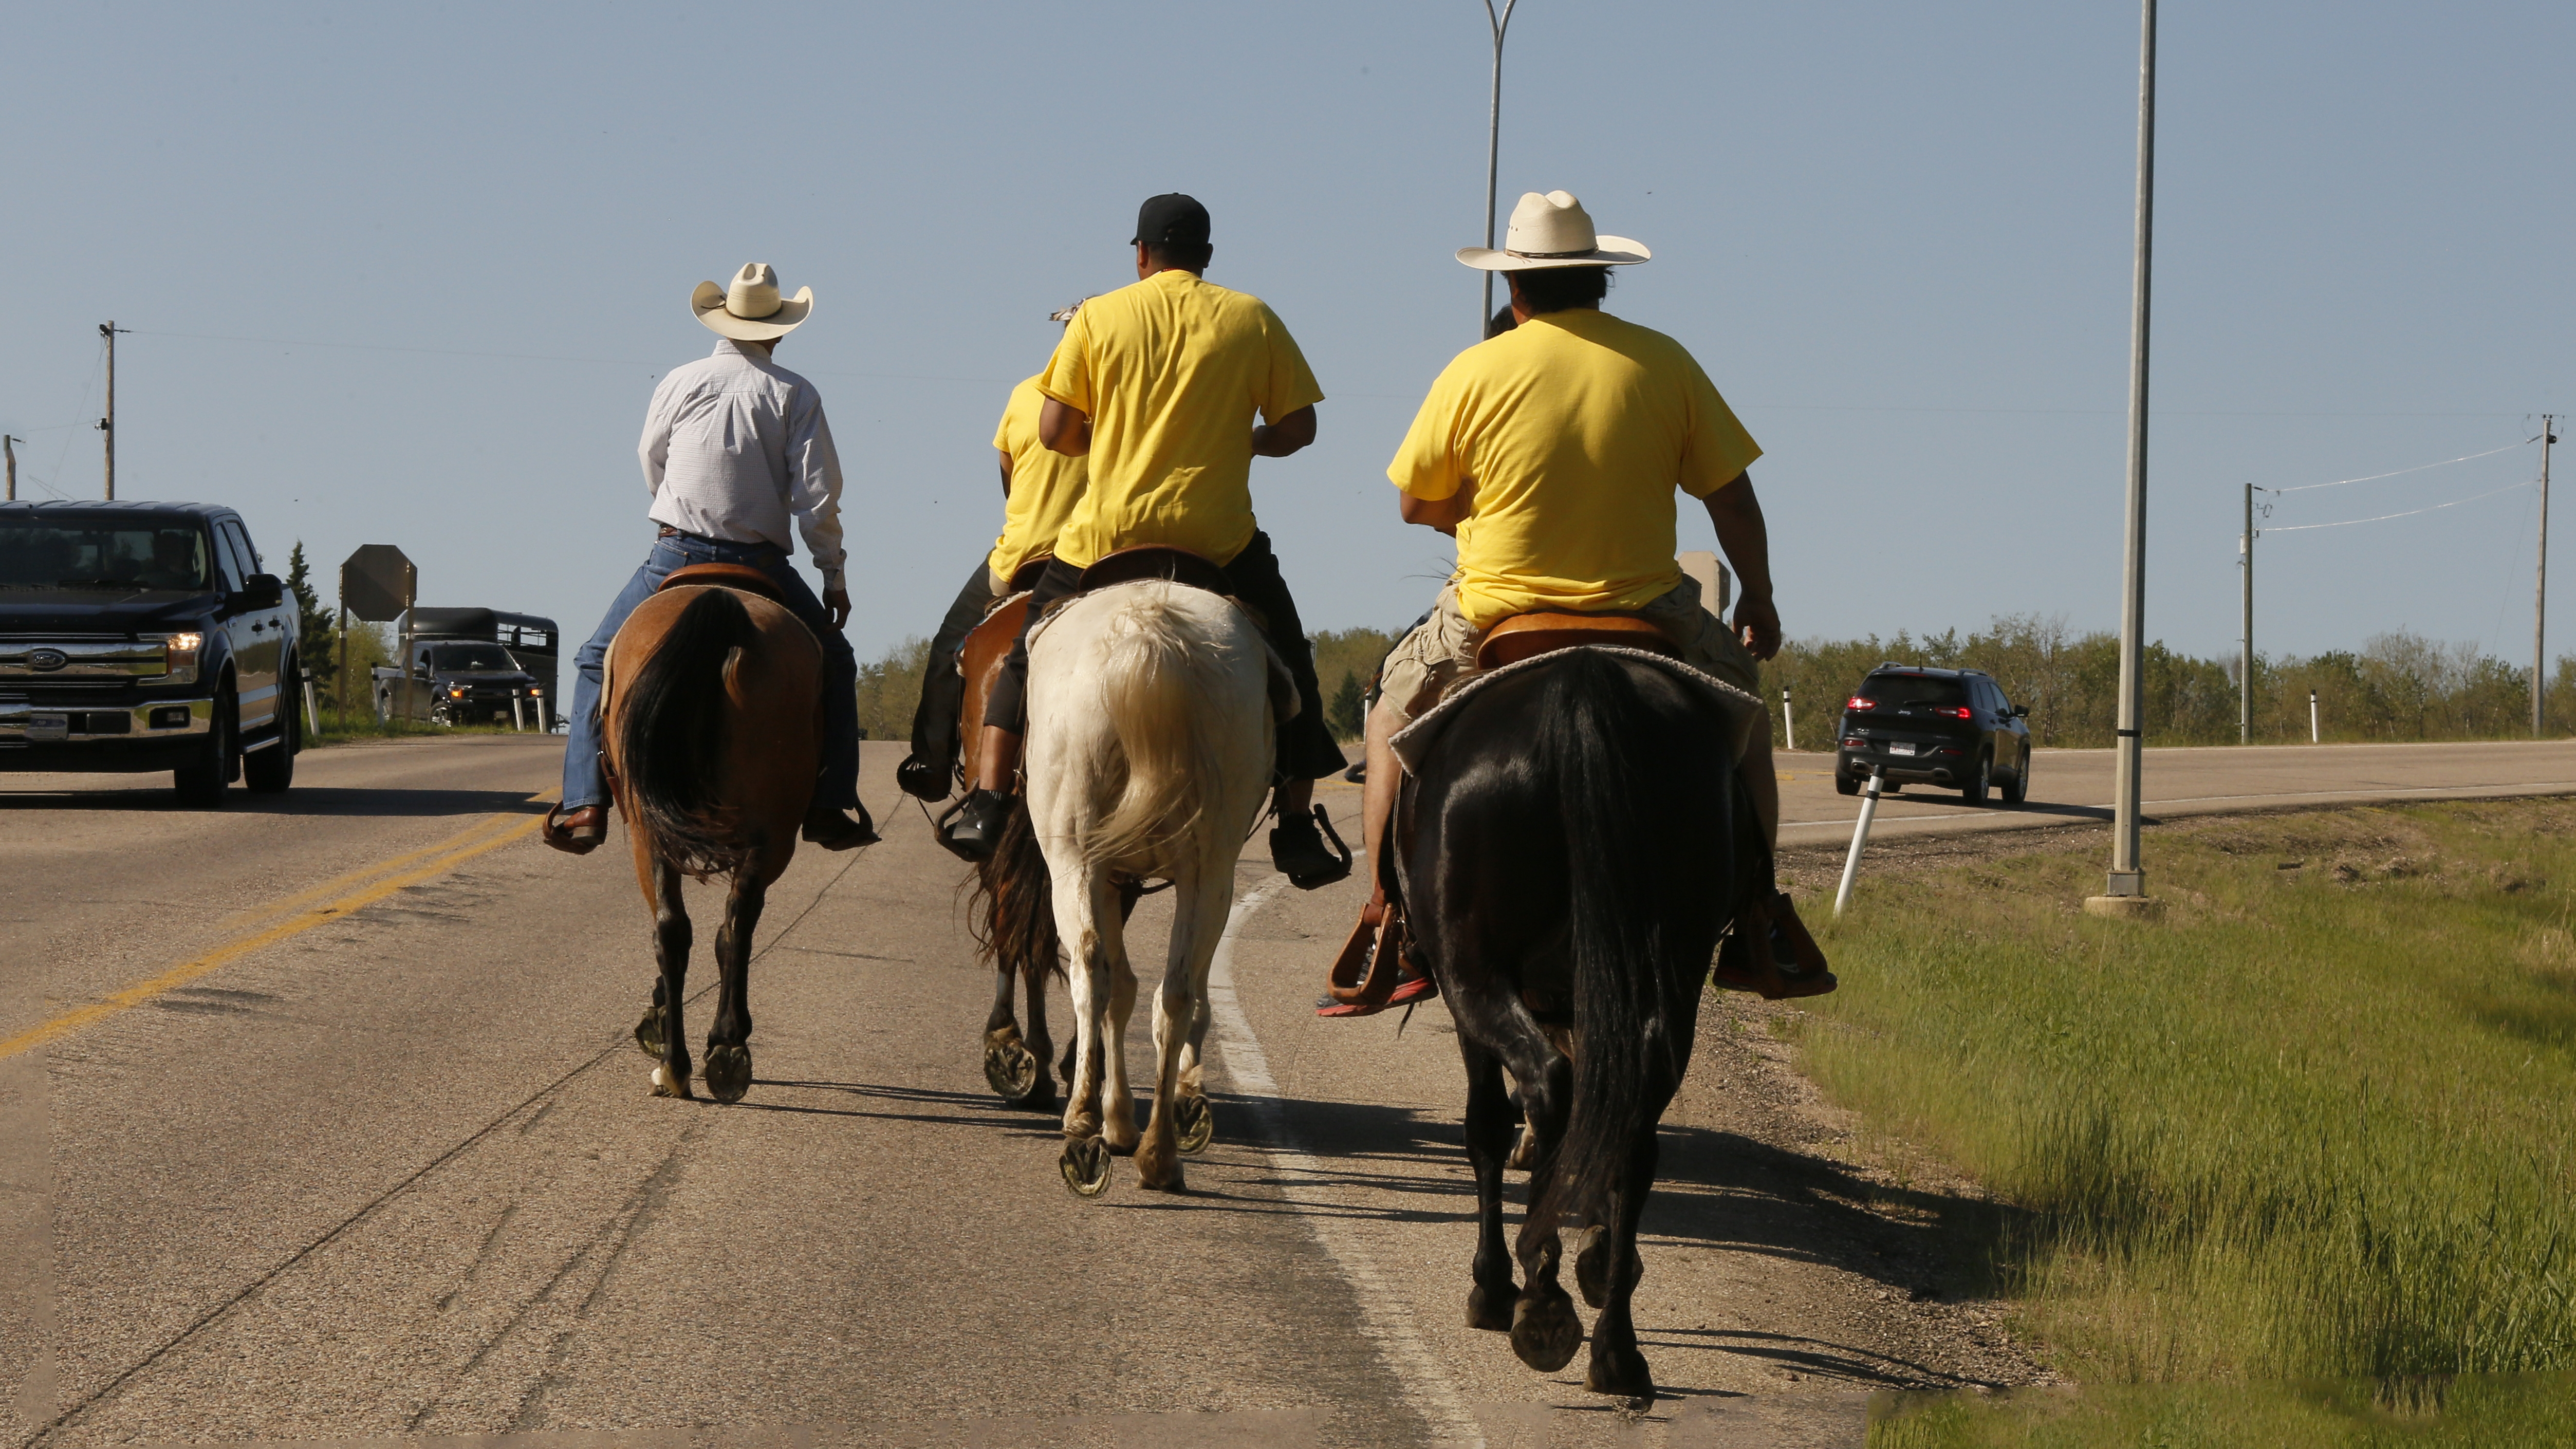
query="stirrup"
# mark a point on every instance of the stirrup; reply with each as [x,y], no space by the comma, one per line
[1364,974]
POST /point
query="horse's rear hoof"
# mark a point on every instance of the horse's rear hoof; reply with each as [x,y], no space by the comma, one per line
[1622,1372]
[648,1033]
[1195,1122]
[666,1084]
[1592,1265]
[728,1072]
[1545,1332]
[1015,1074]
[1524,1151]
[1086,1166]
[1489,1311]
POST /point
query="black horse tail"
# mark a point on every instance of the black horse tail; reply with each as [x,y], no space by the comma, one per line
[1642,794]
[1012,913]
[671,736]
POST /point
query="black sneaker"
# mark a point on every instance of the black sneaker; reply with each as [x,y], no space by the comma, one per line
[974,831]
[919,777]
[1297,848]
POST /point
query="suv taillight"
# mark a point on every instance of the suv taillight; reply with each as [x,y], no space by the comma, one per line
[1859,702]
[1952,711]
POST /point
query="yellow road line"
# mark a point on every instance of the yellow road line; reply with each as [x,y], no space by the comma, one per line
[295,925]
[365,873]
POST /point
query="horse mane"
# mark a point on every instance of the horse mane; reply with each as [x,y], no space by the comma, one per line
[1149,687]
[671,736]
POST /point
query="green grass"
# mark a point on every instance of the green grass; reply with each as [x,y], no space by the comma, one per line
[2499,1413]
[2314,1124]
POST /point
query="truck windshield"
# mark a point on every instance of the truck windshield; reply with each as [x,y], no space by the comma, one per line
[472,656]
[67,554]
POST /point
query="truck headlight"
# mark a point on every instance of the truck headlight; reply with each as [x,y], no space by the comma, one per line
[456,691]
[179,656]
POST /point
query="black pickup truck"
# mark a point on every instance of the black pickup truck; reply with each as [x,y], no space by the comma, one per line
[145,636]
[459,681]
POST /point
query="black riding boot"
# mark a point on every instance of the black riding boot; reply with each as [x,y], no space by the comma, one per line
[1297,849]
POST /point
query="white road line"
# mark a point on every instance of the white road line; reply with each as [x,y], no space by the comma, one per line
[1383,1316]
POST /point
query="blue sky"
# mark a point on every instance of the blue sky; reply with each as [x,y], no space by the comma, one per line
[1896,235]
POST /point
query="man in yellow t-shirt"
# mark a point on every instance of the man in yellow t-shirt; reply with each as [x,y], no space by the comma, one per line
[1039,489]
[1552,451]
[1158,385]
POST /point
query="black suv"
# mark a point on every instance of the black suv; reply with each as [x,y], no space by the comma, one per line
[143,636]
[1946,727]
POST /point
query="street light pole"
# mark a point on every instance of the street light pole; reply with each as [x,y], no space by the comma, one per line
[1493,145]
[2540,577]
[2128,880]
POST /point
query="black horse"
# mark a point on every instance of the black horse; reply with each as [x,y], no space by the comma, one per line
[1568,855]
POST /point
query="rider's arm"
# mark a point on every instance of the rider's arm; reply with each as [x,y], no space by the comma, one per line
[1064,430]
[1287,435]
[1006,472]
[1737,515]
[1444,514]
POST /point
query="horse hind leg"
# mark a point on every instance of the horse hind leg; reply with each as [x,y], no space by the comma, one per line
[1010,1068]
[1490,1124]
[1085,1161]
[671,940]
[1196,925]
[729,1038]
[1608,1265]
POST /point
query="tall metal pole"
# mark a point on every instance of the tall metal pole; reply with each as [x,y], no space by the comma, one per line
[1493,144]
[2540,578]
[107,425]
[2127,878]
[2245,635]
[10,447]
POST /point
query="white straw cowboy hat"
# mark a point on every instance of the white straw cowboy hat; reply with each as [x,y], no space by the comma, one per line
[1553,231]
[751,310]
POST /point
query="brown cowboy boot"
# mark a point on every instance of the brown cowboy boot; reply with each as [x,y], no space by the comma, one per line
[1770,954]
[578,833]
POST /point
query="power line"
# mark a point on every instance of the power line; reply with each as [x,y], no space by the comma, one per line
[2401,472]
[2409,513]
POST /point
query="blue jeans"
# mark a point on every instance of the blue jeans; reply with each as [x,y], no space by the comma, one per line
[837,788]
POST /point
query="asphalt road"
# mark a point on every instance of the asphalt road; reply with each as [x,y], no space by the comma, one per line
[319,1122]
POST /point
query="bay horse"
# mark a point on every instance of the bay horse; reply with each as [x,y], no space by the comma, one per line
[1153,707]
[710,700]
[1568,848]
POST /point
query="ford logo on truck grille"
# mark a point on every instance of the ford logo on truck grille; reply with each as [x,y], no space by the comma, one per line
[46,661]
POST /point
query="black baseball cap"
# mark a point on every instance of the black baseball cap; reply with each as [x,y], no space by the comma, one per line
[1171,219]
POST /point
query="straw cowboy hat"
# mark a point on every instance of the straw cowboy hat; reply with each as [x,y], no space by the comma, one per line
[1553,231]
[751,310]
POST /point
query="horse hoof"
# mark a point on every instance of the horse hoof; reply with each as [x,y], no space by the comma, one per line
[1086,1166]
[1545,1332]
[1012,1071]
[1486,1310]
[1524,1151]
[1592,1264]
[667,1085]
[728,1072]
[1621,1372]
[648,1034]
[1195,1121]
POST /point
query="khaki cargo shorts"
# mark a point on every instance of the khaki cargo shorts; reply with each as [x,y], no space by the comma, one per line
[1427,661]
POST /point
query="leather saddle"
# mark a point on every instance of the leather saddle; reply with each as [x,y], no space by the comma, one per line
[979,661]
[741,577]
[1525,636]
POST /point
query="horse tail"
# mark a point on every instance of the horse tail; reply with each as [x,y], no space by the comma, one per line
[671,736]
[1642,799]
[1012,913]
[1152,688]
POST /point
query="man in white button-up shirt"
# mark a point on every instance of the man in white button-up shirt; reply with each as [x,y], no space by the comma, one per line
[734,448]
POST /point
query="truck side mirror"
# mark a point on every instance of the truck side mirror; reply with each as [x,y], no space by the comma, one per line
[2021,711]
[263,591]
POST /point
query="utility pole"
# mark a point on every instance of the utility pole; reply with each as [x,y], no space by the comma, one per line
[2540,578]
[1493,146]
[9,446]
[2125,893]
[107,425]
[2245,636]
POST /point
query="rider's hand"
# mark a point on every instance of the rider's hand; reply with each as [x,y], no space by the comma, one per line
[1757,624]
[837,602]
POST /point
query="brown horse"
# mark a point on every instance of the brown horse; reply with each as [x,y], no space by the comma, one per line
[711,704]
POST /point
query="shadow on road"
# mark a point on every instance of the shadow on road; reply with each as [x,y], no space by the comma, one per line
[1996,807]
[315,800]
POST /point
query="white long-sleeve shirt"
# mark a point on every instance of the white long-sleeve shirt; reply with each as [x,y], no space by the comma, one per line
[734,445]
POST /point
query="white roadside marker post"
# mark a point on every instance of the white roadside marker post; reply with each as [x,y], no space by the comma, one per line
[518,722]
[1788,722]
[2312,716]
[312,710]
[1860,837]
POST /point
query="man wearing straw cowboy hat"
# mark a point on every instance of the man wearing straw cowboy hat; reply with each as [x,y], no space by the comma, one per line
[735,447]
[1551,451]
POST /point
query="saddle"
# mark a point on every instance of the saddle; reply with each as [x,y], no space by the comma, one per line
[741,577]
[1523,636]
[980,659]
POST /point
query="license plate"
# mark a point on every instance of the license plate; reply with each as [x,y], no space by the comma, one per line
[1899,747]
[49,727]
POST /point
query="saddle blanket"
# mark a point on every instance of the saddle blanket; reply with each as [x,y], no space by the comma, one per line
[1742,712]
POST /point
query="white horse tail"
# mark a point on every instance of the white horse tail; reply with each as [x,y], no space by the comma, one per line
[1154,681]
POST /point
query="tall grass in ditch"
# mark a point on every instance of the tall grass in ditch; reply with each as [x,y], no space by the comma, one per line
[2318,1122]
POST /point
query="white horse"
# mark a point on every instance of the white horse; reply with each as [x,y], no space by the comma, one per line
[1152,711]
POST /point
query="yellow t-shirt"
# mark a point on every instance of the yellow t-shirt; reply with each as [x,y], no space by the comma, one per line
[1044,485]
[1576,427]
[1171,371]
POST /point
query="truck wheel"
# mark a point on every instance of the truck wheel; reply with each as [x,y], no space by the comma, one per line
[202,783]
[272,770]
